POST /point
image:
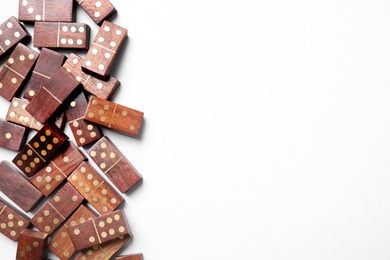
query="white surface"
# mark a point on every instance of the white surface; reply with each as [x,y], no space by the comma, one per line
[267,128]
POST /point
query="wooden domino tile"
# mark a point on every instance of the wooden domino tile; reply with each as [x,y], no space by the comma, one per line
[31,245]
[57,209]
[84,133]
[45,68]
[11,33]
[61,245]
[58,89]
[12,136]
[114,164]
[97,87]
[15,70]
[94,189]
[61,35]
[99,230]
[114,116]
[104,49]
[17,188]
[40,149]
[131,257]
[12,220]
[104,251]
[46,11]
[58,169]
[98,10]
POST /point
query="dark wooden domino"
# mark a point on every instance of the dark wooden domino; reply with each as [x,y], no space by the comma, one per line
[45,68]
[99,230]
[15,70]
[17,188]
[61,35]
[61,245]
[17,114]
[94,189]
[57,209]
[12,220]
[11,33]
[84,133]
[131,257]
[58,169]
[114,116]
[58,89]
[46,10]
[98,10]
[40,149]
[12,136]
[104,49]
[31,245]
[114,164]
[97,87]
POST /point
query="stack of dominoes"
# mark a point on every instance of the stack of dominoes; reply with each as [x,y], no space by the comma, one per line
[76,208]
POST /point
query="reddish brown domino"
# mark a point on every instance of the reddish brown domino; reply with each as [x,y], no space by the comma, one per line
[11,33]
[98,10]
[12,220]
[46,10]
[31,245]
[12,136]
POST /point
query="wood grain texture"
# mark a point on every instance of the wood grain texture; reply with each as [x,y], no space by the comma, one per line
[12,136]
[114,116]
[98,10]
[84,133]
[94,189]
[61,245]
[11,33]
[12,220]
[61,35]
[40,149]
[45,68]
[17,188]
[99,230]
[138,256]
[58,89]
[15,70]
[97,87]
[104,49]
[31,245]
[58,169]
[46,10]
[114,164]
[57,209]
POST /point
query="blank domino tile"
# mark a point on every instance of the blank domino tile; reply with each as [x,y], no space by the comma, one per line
[61,35]
[57,209]
[18,114]
[58,169]
[15,70]
[99,230]
[131,257]
[17,188]
[46,10]
[11,33]
[47,64]
[61,245]
[114,164]
[31,245]
[84,133]
[104,49]
[98,10]
[97,87]
[94,189]
[40,149]
[58,89]
[114,116]
[12,220]
[12,136]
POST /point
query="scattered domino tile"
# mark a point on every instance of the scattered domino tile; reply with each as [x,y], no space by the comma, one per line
[98,10]
[97,87]
[61,35]
[46,11]
[31,245]
[11,33]
[12,136]
[12,220]
[16,69]
[131,257]
[105,47]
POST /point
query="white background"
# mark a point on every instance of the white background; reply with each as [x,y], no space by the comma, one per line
[267,128]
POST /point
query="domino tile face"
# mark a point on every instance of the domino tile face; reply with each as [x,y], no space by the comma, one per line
[98,10]
[11,33]
[12,136]
[46,10]
[31,245]
[131,257]
[12,220]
